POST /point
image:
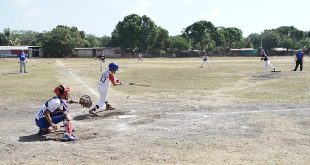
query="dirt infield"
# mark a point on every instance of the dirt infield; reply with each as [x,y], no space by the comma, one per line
[223,115]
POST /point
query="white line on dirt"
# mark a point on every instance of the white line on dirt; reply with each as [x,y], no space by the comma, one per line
[77,78]
[236,112]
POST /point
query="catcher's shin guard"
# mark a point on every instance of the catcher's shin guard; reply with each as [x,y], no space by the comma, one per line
[68,126]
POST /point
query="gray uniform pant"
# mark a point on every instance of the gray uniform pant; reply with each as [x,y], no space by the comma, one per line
[21,65]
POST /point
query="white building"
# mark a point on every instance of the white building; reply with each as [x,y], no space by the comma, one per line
[13,51]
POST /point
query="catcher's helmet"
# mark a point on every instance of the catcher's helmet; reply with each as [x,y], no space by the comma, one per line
[113,67]
[62,90]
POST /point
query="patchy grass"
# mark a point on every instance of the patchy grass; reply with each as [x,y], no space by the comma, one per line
[229,76]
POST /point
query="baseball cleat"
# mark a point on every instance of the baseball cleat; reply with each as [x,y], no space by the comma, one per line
[68,137]
[93,112]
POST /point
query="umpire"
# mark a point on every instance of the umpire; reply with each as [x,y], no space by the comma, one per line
[299,59]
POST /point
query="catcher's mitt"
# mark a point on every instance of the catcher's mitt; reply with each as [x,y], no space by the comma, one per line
[85,101]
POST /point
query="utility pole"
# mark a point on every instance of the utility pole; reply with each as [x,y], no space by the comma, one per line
[261,40]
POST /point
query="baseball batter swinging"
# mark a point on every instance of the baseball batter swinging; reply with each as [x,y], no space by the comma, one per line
[103,87]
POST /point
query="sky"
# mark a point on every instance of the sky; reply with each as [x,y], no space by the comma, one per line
[99,17]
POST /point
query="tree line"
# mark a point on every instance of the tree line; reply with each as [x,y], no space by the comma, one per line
[140,34]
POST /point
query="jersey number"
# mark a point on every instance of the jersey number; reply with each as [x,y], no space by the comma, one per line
[103,78]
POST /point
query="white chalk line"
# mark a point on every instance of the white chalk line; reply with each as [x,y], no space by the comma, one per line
[78,79]
[206,114]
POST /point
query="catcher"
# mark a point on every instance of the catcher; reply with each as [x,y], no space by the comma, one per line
[103,87]
[54,111]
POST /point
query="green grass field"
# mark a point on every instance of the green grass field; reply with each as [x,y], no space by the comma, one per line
[240,79]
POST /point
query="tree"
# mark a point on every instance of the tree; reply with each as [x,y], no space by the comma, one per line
[12,40]
[26,37]
[61,41]
[254,39]
[233,37]
[127,33]
[105,41]
[287,43]
[162,38]
[135,33]
[200,34]
[271,39]
[291,32]
[218,37]
[305,44]
[147,34]
[3,40]
[178,43]
[92,41]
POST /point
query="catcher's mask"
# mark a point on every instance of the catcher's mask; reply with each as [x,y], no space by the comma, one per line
[113,67]
[62,90]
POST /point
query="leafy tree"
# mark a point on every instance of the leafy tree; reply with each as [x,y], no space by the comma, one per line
[305,44]
[26,37]
[271,39]
[115,38]
[218,37]
[11,39]
[147,34]
[162,38]
[135,33]
[178,43]
[287,43]
[291,32]
[92,41]
[233,37]
[3,40]
[247,43]
[200,34]
[254,39]
[127,33]
[62,40]
[105,41]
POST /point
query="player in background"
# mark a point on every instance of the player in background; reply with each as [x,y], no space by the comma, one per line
[140,57]
[205,60]
[101,58]
[22,60]
[267,62]
[299,60]
[54,111]
[106,78]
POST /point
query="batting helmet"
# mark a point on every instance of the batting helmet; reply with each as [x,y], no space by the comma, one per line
[113,67]
[62,90]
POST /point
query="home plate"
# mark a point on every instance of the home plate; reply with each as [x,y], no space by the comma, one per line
[126,116]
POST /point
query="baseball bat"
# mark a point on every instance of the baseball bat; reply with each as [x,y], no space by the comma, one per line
[139,84]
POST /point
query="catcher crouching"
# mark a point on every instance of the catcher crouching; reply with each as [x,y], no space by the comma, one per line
[51,114]
[103,87]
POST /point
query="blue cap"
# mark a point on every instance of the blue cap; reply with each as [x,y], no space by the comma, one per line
[113,67]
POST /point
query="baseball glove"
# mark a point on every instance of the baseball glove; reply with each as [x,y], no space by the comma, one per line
[85,101]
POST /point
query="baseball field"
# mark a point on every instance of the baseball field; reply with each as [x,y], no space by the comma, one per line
[231,113]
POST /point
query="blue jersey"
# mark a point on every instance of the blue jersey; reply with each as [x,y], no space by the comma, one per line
[22,56]
[299,55]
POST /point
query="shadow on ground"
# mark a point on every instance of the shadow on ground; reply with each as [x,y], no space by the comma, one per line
[102,114]
[34,138]
[9,73]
